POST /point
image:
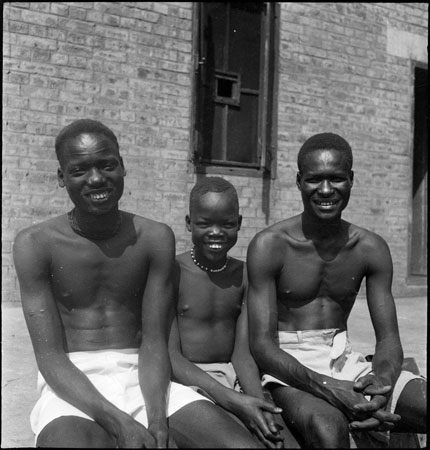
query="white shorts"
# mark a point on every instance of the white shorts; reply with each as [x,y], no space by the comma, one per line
[224,373]
[329,353]
[115,375]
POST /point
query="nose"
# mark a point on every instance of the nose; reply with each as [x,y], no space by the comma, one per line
[215,230]
[95,177]
[325,187]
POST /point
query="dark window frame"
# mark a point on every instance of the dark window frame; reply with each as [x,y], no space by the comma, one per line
[415,278]
[267,116]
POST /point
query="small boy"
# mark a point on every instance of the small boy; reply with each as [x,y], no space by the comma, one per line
[209,338]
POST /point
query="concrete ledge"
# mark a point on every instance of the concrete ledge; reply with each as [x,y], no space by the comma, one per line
[19,371]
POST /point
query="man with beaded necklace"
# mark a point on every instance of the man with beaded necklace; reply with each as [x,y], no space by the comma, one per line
[97,295]
[209,342]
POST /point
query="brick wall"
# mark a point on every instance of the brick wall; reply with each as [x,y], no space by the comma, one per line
[130,65]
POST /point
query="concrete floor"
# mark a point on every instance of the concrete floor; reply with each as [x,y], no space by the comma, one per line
[19,369]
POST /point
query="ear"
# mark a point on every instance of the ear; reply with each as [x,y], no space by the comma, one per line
[122,165]
[351,175]
[188,222]
[239,222]
[60,178]
[299,180]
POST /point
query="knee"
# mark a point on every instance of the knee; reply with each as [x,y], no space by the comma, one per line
[328,429]
[73,432]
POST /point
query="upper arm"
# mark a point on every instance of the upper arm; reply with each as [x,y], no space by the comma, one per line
[263,264]
[379,274]
[32,264]
[158,297]
[241,343]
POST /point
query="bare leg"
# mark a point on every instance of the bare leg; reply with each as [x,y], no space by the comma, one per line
[412,407]
[74,432]
[313,422]
[202,424]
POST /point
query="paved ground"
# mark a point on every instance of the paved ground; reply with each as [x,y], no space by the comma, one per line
[19,367]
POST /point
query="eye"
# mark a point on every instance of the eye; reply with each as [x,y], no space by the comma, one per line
[229,225]
[77,171]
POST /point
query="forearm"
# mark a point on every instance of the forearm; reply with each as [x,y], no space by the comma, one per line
[288,369]
[73,386]
[154,379]
[249,375]
[188,374]
[387,360]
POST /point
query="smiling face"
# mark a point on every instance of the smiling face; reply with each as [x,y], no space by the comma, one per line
[92,172]
[325,182]
[214,222]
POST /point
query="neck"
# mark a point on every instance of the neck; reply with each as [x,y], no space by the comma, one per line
[95,226]
[316,229]
[208,267]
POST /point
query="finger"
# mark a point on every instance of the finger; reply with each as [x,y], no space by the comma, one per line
[386,426]
[262,438]
[267,406]
[367,424]
[271,423]
[385,416]
[374,404]
[262,428]
[376,390]
[362,383]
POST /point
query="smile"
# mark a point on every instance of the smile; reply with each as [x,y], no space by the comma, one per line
[214,246]
[327,204]
[99,196]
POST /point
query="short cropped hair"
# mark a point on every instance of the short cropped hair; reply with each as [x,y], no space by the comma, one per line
[324,141]
[83,126]
[212,184]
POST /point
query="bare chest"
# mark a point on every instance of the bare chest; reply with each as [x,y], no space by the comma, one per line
[307,276]
[210,303]
[85,275]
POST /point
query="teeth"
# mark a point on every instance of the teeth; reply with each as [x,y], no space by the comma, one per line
[327,203]
[99,196]
[215,246]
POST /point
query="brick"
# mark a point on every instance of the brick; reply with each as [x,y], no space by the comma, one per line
[129,65]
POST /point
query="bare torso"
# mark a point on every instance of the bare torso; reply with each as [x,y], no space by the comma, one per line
[207,310]
[98,285]
[317,283]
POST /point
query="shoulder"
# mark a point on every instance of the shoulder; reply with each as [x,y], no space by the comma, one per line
[372,248]
[275,236]
[41,233]
[150,230]
[367,240]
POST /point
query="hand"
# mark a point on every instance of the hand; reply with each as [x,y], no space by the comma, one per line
[160,431]
[362,413]
[257,415]
[370,384]
[133,434]
[381,420]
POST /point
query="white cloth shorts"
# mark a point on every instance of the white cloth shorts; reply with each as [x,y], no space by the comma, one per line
[224,373]
[329,353]
[115,375]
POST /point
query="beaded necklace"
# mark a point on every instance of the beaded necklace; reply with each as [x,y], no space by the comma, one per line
[206,269]
[93,235]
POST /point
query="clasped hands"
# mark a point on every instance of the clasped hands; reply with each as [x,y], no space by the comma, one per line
[258,416]
[370,414]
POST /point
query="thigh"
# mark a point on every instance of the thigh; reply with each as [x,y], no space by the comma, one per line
[309,418]
[74,432]
[202,424]
[412,407]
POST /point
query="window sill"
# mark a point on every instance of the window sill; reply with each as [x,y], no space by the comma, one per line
[235,171]
[416,280]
